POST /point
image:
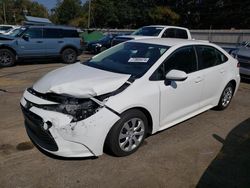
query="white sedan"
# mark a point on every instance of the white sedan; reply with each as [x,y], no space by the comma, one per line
[115,99]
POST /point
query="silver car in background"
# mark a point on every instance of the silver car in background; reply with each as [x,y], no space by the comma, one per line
[242,54]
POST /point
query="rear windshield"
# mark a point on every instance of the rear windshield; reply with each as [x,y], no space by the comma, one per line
[148,31]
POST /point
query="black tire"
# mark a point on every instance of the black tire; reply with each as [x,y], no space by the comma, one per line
[69,55]
[226,97]
[134,137]
[7,58]
[103,49]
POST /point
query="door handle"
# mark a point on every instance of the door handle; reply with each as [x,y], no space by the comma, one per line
[60,41]
[39,41]
[198,79]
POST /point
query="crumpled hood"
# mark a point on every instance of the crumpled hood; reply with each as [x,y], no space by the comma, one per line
[81,81]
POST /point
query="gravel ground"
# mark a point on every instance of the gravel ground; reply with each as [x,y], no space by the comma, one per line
[209,150]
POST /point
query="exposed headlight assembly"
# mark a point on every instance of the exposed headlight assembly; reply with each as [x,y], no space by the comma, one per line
[79,109]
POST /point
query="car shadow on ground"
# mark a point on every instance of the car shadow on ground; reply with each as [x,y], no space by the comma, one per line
[231,167]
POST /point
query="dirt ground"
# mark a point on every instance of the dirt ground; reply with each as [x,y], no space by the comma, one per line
[209,150]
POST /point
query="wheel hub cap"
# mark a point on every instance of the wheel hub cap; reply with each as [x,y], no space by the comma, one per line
[131,134]
[227,96]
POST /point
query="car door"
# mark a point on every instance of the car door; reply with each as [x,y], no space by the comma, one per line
[212,64]
[31,44]
[179,99]
[54,41]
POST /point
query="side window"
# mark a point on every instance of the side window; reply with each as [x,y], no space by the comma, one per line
[209,57]
[183,59]
[175,33]
[181,33]
[52,33]
[70,33]
[34,33]
[169,33]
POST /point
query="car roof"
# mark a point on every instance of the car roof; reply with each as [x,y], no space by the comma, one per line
[166,26]
[171,41]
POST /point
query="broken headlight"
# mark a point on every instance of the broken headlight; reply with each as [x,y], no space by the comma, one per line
[78,111]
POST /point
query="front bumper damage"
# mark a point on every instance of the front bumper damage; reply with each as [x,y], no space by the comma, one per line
[56,133]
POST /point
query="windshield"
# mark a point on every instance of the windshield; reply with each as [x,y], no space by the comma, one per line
[148,31]
[14,32]
[18,32]
[128,58]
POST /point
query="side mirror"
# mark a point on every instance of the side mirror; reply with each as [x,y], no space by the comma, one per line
[176,75]
[26,37]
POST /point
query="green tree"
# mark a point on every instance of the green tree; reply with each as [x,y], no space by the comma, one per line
[14,10]
[67,10]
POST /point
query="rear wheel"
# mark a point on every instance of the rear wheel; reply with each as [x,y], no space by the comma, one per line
[226,97]
[69,55]
[127,135]
[7,58]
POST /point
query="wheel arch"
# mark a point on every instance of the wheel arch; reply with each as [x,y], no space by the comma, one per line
[146,113]
[9,48]
[233,82]
[68,46]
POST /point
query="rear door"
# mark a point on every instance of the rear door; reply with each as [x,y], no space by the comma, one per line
[33,46]
[54,41]
[212,64]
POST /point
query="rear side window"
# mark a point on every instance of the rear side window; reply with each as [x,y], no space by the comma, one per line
[209,57]
[182,34]
[67,33]
[52,33]
[175,33]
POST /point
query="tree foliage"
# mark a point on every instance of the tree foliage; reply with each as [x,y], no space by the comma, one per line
[15,10]
[194,14]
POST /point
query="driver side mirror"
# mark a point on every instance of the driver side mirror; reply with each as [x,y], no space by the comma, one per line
[176,75]
[26,37]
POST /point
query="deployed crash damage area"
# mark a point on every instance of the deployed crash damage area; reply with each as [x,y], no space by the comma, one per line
[66,125]
[116,98]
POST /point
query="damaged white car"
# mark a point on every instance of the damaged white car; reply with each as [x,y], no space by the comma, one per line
[118,97]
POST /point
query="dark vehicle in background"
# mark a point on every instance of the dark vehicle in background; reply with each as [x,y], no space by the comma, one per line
[98,46]
[40,42]
[242,54]
[4,28]
[155,31]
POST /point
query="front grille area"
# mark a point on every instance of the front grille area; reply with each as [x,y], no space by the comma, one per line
[34,128]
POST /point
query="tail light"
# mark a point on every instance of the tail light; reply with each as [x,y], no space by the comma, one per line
[238,64]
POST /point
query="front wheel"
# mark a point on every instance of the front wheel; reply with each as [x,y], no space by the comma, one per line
[127,135]
[7,58]
[226,97]
[69,55]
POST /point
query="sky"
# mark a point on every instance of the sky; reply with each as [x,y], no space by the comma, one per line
[49,4]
